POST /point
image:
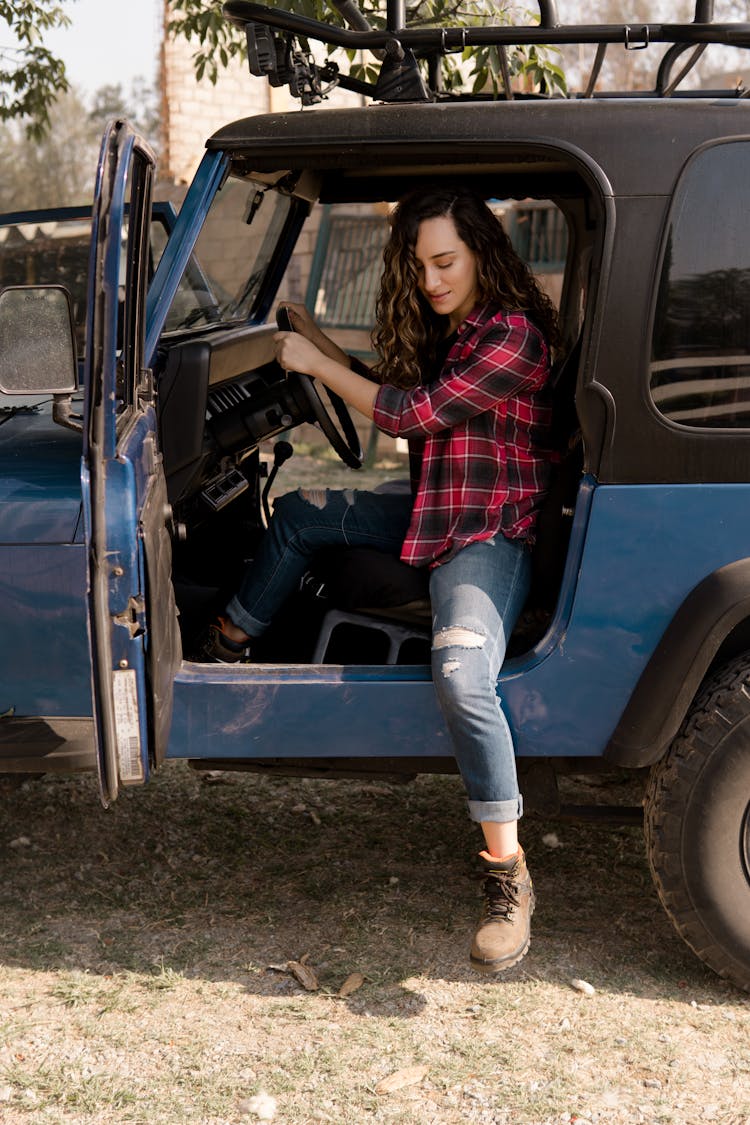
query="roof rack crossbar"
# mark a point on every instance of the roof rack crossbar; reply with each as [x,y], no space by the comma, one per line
[450,38]
[271,35]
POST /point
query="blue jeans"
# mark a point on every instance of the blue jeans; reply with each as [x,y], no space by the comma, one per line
[476,598]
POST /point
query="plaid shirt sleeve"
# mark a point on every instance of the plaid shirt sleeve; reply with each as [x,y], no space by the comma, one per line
[480,372]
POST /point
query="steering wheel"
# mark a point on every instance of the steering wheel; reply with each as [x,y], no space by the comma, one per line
[343,436]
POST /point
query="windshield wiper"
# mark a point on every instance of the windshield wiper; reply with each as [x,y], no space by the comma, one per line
[239,306]
[8,412]
[211,312]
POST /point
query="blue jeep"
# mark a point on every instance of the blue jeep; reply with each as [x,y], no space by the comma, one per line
[128,509]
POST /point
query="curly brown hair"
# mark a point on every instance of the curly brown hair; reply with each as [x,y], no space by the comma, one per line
[408,331]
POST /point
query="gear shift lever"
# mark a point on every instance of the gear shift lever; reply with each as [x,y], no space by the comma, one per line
[282,451]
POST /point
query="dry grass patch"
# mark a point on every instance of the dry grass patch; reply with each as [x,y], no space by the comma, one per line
[136,985]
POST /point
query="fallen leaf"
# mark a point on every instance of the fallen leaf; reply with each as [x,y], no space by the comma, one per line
[263,1106]
[304,974]
[217,777]
[583,986]
[408,1076]
[351,984]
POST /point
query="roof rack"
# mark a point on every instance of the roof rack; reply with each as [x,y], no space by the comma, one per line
[277,48]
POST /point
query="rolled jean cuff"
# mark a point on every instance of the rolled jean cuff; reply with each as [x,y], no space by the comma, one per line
[500,812]
[239,616]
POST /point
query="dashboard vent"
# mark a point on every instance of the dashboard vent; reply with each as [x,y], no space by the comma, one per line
[226,398]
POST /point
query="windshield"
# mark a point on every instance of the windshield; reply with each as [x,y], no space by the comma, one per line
[232,256]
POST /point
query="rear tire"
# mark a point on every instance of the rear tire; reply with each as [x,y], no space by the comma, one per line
[697,823]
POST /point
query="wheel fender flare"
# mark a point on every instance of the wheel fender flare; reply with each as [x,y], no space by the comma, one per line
[678,664]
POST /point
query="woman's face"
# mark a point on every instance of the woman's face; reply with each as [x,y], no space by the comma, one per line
[446,269]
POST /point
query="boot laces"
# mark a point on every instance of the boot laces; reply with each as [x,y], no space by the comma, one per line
[502,890]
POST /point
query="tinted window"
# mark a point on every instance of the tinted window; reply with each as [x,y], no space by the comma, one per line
[700,366]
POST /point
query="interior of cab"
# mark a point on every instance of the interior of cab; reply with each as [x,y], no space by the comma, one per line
[230,418]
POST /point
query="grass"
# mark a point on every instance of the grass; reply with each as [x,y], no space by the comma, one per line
[136,987]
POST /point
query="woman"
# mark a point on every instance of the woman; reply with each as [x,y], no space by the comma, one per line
[463,335]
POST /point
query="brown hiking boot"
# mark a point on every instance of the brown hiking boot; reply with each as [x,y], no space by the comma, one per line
[504,932]
[215,647]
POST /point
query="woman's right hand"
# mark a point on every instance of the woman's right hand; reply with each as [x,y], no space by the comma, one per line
[295,352]
[303,323]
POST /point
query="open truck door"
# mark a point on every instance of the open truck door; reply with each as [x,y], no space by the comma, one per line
[134,638]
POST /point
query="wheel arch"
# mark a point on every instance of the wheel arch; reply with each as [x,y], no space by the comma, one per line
[713,619]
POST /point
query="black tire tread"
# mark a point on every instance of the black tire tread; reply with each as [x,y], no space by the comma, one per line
[724,699]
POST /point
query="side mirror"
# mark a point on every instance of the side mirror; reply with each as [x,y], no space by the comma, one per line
[37,341]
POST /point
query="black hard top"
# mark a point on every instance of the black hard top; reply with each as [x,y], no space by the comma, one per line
[629,146]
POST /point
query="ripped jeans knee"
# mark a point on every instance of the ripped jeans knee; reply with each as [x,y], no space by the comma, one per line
[308,508]
[319,497]
[461,667]
[455,637]
[464,675]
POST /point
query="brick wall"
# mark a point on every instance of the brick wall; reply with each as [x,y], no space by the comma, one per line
[191,110]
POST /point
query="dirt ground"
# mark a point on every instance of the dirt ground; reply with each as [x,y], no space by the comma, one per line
[155,956]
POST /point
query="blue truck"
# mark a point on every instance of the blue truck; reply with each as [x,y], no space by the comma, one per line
[139,391]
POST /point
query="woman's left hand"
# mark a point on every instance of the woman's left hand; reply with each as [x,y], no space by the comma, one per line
[295,352]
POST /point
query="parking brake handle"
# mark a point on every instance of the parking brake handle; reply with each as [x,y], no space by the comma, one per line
[282,451]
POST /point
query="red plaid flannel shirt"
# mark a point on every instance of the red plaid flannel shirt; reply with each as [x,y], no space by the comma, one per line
[484,425]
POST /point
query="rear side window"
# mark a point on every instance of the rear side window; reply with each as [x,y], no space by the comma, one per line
[700,360]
